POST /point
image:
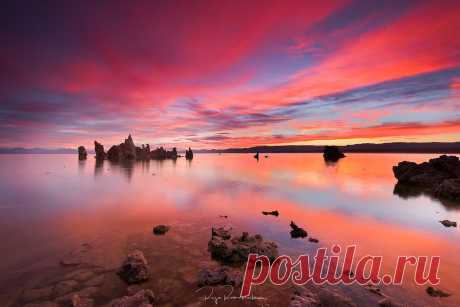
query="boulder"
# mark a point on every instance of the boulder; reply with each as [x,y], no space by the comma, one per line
[297,232]
[332,154]
[160,229]
[82,154]
[135,268]
[439,177]
[236,249]
[99,149]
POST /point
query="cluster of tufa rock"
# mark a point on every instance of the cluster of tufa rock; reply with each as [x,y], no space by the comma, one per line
[236,249]
[128,151]
[439,177]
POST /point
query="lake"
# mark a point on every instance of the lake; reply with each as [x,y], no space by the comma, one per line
[53,205]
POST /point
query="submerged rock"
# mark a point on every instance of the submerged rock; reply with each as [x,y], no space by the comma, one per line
[236,249]
[386,302]
[297,232]
[160,229]
[332,154]
[275,213]
[135,268]
[219,276]
[313,240]
[439,177]
[143,298]
[100,153]
[435,292]
[82,154]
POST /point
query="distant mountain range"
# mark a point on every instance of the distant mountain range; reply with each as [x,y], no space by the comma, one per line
[435,147]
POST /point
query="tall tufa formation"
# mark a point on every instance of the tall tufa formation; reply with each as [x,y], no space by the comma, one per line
[100,153]
[82,154]
[189,154]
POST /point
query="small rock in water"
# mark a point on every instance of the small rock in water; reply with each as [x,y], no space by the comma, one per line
[297,232]
[313,240]
[219,276]
[160,229]
[143,298]
[434,292]
[223,216]
[135,268]
[448,223]
[275,213]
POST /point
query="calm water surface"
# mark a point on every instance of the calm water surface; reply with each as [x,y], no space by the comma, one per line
[52,204]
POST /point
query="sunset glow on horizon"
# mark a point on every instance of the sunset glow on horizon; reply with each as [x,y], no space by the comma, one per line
[225,74]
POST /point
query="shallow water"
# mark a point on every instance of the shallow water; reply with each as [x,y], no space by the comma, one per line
[53,204]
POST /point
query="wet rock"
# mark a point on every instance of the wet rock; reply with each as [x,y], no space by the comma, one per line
[160,229]
[386,302]
[313,240]
[374,289]
[448,223]
[439,177]
[100,153]
[449,188]
[78,301]
[189,154]
[80,275]
[319,297]
[143,298]
[332,154]
[95,281]
[219,276]
[65,287]
[435,292]
[235,249]
[135,268]
[82,154]
[297,232]
[37,294]
[224,232]
[42,304]
[275,213]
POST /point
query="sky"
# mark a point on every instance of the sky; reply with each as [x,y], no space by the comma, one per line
[221,74]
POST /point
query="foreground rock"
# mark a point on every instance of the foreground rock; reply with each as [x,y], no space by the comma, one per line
[297,232]
[135,268]
[448,223]
[318,297]
[235,249]
[160,229]
[219,276]
[332,154]
[275,213]
[435,292]
[82,154]
[143,298]
[439,177]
